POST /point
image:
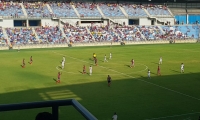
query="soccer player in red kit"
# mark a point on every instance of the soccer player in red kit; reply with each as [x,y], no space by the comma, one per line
[95,61]
[109,80]
[84,69]
[31,60]
[158,71]
[58,81]
[23,63]
[132,63]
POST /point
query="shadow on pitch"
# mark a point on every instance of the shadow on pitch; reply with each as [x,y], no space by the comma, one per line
[155,63]
[91,59]
[175,71]
[54,79]
[127,65]
[80,72]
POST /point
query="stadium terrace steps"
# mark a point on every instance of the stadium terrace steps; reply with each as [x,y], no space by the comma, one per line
[75,11]
[63,34]
[170,12]
[140,33]
[147,12]
[100,12]
[49,8]
[123,11]
[36,36]
[161,29]
[93,39]
[6,35]
[23,9]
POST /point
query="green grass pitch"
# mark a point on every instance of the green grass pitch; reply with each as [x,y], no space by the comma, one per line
[171,96]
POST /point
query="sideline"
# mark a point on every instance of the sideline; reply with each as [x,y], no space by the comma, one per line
[173,116]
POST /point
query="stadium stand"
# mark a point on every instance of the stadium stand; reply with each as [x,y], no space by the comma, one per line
[3,41]
[37,9]
[11,9]
[87,9]
[104,33]
[111,19]
[181,32]
[49,34]
[157,10]
[111,10]
[134,10]
[21,35]
[61,9]
[77,34]
[151,32]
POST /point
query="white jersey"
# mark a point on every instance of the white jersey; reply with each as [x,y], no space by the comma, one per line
[63,63]
[110,55]
[114,117]
[149,73]
[64,59]
[182,66]
[160,59]
[105,57]
[90,68]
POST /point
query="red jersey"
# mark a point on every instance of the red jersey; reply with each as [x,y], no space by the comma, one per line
[58,75]
[158,68]
[84,68]
[132,61]
[31,58]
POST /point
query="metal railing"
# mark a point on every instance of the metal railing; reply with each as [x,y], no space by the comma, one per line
[54,104]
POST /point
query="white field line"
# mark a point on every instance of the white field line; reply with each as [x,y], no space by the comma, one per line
[138,79]
[79,73]
[173,116]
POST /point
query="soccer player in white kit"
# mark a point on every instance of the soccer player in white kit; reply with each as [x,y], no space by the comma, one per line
[63,64]
[105,60]
[149,74]
[182,68]
[110,55]
[160,60]
[64,59]
[90,69]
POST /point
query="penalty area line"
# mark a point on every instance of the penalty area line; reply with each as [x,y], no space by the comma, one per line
[173,116]
[138,79]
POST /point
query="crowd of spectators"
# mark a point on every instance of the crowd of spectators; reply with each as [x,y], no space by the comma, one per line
[129,33]
[11,9]
[157,9]
[62,9]
[111,9]
[49,34]
[134,10]
[180,32]
[77,33]
[151,32]
[37,9]
[87,9]
[103,33]
[21,35]
[3,40]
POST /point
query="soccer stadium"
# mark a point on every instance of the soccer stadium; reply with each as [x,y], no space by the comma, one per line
[100,60]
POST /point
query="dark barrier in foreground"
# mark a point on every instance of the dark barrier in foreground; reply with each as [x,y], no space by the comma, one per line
[54,104]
